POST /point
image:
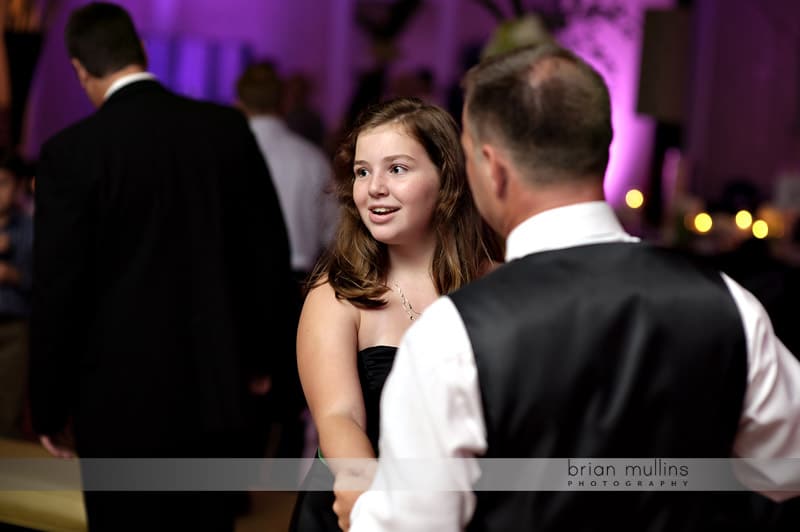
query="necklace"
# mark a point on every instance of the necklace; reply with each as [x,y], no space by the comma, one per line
[412,314]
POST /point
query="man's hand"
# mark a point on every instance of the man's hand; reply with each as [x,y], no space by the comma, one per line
[350,483]
[57,450]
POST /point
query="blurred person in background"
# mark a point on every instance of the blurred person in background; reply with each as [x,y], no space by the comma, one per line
[297,111]
[163,286]
[417,83]
[16,269]
[302,177]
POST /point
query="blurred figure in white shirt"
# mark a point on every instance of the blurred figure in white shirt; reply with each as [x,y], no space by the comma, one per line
[302,175]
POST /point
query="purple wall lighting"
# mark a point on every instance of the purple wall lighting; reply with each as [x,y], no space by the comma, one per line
[614,49]
[199,47]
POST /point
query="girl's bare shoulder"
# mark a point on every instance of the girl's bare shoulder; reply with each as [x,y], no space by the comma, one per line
[322,299]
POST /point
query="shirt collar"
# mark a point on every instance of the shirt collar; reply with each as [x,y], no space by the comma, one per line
[126,80]
[574,225]
[267,121]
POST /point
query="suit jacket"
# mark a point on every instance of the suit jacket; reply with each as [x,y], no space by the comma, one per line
[161,273]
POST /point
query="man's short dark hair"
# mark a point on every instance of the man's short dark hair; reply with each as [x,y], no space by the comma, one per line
[260,88]
[103,38]
[547,107]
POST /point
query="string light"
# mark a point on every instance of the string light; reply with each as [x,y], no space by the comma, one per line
[774,220]
[744,219]
[634,198]
[703,222]
[760,229]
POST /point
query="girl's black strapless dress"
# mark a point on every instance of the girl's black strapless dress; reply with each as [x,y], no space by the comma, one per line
[313,510]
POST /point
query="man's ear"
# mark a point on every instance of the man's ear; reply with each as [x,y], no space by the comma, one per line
[144,53]
[498,169]
[80,71]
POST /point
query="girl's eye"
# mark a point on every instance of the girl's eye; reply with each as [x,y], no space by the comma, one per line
[360,172]
[397,169]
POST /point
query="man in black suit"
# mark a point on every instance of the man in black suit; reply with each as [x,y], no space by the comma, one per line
[162,277]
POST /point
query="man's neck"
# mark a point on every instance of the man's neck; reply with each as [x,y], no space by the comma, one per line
[105,83]
[530,202]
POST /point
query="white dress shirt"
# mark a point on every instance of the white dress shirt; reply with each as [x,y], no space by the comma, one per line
[431,405]
[126,80]
[302,176]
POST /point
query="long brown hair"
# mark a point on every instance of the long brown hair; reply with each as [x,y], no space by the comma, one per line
[356,264]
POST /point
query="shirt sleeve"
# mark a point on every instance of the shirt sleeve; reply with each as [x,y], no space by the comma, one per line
[769,427]
[430,411]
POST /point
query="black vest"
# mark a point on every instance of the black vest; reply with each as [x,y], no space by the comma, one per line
[609,351]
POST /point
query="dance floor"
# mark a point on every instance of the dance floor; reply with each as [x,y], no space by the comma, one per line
[62,511]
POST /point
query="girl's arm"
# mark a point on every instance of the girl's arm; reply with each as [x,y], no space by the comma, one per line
[327,347]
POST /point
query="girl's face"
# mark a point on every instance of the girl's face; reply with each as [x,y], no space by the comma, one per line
[395,186]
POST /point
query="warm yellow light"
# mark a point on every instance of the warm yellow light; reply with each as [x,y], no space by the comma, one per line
[744,219]
[702,222]
[634,198]
[760,229]
[774,219]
